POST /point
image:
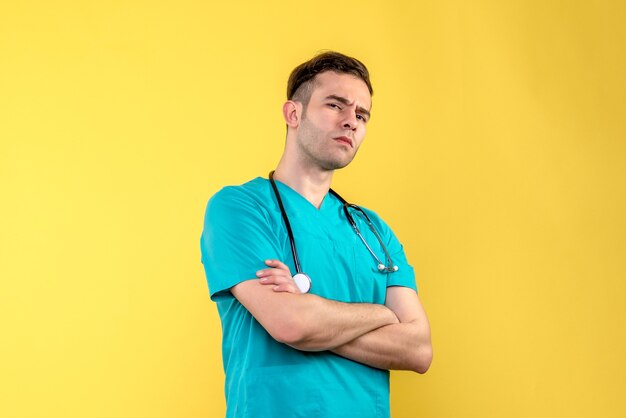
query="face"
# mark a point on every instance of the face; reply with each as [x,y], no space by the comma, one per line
[332,125]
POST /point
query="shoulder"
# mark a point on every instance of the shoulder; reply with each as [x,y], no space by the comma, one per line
[254,189]
[236,201]
[378,222]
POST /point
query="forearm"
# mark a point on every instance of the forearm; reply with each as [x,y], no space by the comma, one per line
[309,322]
[327,324]
[403,346]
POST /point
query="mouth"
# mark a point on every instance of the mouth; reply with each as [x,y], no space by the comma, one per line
[344,139]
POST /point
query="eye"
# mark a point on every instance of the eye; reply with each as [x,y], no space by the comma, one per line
[334,106]
[361,117]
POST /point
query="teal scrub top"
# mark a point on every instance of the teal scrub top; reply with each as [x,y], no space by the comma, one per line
[264,378]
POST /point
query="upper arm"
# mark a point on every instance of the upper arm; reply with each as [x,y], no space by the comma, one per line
[237,236]
[405,303]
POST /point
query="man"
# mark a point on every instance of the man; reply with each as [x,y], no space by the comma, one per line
[324,353]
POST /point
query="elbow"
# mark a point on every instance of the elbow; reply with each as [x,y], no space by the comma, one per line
[422,359]
[301,340]
[290,336]
[299,331]
[293,333]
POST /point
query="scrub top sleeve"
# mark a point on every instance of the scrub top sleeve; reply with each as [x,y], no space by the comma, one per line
[236,239]
[405,276]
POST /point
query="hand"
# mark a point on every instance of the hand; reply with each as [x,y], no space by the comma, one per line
[278,275]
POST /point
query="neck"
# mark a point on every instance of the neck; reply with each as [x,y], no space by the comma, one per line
[311,183]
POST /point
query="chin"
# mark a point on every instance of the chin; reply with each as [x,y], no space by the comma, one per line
[336,165]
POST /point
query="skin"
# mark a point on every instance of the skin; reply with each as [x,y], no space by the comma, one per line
[322,137]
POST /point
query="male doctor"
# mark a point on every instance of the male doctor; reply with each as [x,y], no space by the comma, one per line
[321,345]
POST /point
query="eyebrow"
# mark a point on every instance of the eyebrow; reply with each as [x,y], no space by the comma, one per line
[346,102]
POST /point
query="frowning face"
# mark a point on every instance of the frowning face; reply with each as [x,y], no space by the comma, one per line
[332,125]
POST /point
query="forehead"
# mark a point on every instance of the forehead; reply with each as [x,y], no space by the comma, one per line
[343,85]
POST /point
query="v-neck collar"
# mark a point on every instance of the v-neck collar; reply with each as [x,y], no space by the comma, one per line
[284,187]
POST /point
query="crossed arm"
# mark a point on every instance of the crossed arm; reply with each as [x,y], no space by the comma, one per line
[391,336]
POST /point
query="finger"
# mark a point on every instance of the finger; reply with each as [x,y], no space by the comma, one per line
[275,277]
[275,280]
[273,272]
[287,288]
[277,264]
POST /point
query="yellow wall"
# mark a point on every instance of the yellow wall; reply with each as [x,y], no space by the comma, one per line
[497,151]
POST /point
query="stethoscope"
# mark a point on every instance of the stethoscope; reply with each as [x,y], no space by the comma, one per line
[302,280]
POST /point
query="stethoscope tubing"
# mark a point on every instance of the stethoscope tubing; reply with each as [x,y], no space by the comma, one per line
[382,267]
[292,241]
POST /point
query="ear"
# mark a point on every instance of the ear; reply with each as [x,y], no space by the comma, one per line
[292,112]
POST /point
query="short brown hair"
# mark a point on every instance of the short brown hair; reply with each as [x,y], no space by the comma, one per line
[299,86]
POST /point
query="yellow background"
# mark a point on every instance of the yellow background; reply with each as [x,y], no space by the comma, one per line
[497,152]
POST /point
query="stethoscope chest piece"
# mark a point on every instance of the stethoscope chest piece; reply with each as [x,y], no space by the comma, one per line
[303,282]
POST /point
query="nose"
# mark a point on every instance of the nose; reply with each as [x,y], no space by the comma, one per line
[350,121]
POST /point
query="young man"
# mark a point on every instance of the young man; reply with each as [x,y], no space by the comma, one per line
[318,343]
